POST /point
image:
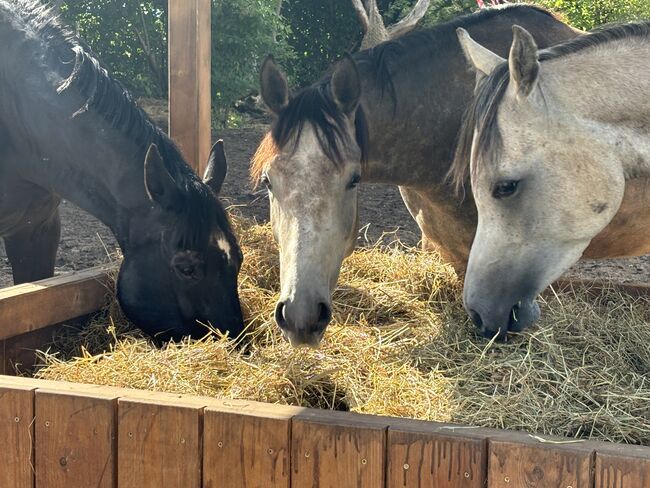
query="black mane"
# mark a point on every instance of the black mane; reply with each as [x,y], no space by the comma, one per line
[481,116]
[84,78]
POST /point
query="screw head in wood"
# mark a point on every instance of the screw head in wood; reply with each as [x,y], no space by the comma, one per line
[364,461]
[406,466]
[16,419]
[219,444]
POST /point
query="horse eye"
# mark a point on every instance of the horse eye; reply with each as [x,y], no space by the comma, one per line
[354,181]
[187,271]
[266,182]
[505,189]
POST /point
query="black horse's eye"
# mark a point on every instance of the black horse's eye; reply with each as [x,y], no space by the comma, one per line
[505,189]
[188,265]
[266,182]
[354,181]
[187,271]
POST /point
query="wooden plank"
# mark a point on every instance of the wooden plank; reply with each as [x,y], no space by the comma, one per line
[31,306]
[535,464]
[247,445]
[621,466]
[75,439]
[189,79]
[426,454]
[159,443]
[17,433]
[337,450]
[18,354]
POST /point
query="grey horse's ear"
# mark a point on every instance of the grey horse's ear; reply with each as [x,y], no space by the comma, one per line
[481,58]
[215,171]
[523,62]
[273,86]
[158,182]
[346,85]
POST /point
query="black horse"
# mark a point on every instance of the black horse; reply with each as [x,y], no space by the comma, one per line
[68,130]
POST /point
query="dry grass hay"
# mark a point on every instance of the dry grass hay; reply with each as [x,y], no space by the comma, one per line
[400,344]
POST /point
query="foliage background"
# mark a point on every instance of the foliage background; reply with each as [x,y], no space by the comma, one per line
[306,36]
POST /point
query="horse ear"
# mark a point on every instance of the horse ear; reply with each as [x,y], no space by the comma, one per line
[346,85]
[274,86]
[215,171]
[523,62]
[481,58]
[159,184]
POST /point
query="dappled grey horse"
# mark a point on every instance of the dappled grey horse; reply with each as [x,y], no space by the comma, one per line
[554,138]
[67,130]
[391,115]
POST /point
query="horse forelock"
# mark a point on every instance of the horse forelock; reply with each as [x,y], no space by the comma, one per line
[314,106]
[480,121]
[264,154]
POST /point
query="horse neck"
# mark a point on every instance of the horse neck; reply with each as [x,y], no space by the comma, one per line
[614,104]
[412,134]
[103,175]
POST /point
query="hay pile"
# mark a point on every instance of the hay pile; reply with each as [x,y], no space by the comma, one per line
[400,344]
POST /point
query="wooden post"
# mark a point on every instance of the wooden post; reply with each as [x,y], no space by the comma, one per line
[190,107]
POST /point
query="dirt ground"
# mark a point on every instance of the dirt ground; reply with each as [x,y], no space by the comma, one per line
[86,242]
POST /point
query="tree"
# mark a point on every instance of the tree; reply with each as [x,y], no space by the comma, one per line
[243,33]
[587,14]
[129,36]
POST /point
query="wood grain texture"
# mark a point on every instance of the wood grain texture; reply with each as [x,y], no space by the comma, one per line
[31,306]
[159,443]
[75,439]
[424,455]
[247,445]
[17,434]
[539,465]
[623,467]
[329,450]
[189,79]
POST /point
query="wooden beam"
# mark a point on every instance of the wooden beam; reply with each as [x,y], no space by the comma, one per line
[75,438]
[622,466]
[247,445]
[533,464]
[425,454]
[159,442]
[17,432]
[189,79]
[338,450]
[32,306]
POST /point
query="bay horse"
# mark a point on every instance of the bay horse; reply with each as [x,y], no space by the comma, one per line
[554,138]
[391,115]
[68,130]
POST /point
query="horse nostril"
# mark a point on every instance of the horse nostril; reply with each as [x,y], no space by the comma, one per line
[476,318]
[324,314]
[279,315]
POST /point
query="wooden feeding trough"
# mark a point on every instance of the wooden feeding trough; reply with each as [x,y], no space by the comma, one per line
[74,436]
